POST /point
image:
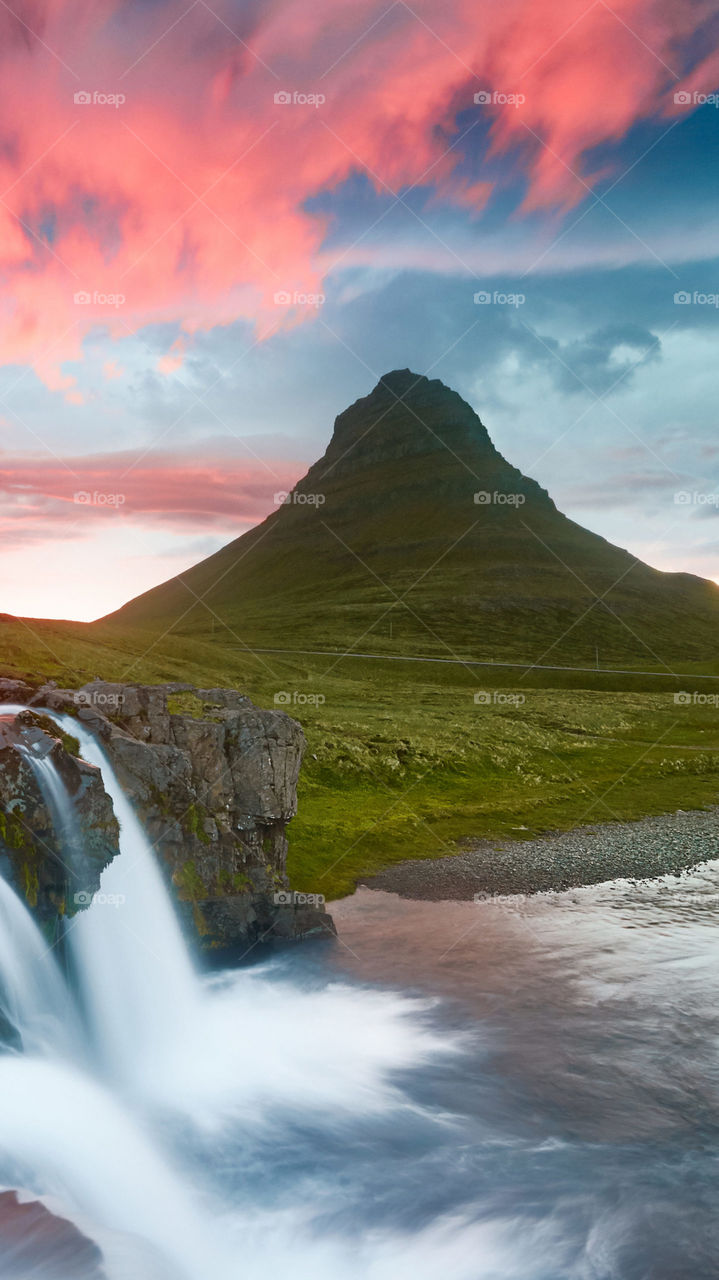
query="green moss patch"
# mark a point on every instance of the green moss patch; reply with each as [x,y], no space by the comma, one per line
[48,726]
[186,704]
[189,882]
[193,820]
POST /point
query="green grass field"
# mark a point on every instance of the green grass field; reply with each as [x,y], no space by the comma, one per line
[401,760]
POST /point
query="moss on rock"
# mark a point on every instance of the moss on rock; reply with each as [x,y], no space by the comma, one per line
[193,822]
[189,882]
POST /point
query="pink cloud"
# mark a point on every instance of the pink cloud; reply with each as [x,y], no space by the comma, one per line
[186,201]
[121,522]
[71,498]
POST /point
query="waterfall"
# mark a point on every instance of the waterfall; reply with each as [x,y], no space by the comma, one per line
[143,1127]
[53,1115]
[54,794]
[34,999]
[289,1120]
[136,979]
[132,963]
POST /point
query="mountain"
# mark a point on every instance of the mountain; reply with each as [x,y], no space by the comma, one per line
[412,534]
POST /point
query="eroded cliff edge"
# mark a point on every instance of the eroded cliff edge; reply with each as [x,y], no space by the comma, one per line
[51,868]
[214,781]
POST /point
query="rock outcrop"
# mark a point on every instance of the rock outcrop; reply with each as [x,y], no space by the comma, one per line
[53,866]
[214,781]
[36,1242]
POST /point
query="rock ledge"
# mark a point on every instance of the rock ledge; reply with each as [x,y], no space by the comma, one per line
[214,781]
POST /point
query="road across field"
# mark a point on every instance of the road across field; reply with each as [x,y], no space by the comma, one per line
[473,662]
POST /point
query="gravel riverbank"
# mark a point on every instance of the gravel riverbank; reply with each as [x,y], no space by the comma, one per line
[641,850]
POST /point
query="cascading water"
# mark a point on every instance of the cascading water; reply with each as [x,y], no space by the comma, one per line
[54,793]
[131,960]
[217,1054]
[34,1000]
[33,995]
[287,1120]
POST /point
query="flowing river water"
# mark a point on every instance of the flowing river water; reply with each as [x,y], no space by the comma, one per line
[502,1090]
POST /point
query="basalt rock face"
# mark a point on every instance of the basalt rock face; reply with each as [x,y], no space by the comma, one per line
[405,416]
[54,868]
[213,779]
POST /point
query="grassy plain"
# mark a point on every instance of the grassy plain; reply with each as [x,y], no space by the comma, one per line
[401,759]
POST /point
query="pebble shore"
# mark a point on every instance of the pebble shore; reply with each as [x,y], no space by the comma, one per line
[642,850]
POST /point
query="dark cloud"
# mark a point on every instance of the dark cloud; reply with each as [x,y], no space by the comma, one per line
[606,357]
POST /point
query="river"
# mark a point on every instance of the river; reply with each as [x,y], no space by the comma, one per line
[520,1089]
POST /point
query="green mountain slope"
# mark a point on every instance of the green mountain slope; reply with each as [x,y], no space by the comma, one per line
[413,534]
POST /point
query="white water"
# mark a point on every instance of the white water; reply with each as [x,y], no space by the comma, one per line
[96,1157]
[241,1050]
[282,1121]
[33,995]
[137,980]
[56,797]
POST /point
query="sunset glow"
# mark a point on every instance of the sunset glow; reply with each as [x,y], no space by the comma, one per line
[204,209]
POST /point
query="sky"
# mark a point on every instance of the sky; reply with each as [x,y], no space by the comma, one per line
[221,224]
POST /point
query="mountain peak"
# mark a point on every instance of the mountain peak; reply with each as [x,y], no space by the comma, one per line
[405,415]
[400,381]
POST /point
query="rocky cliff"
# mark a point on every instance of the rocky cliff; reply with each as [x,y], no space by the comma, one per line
[51,867]
[213,778]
